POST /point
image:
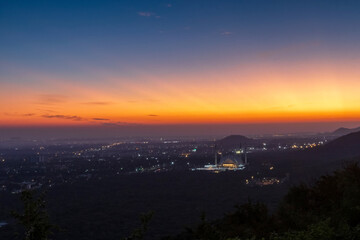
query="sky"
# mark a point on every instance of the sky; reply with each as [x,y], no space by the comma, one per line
[170,63]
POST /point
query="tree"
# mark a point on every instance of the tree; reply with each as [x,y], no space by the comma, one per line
[34,219]
[139,232]
[327,209]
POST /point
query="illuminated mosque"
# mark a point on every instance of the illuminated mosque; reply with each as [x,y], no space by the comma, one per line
[233,161]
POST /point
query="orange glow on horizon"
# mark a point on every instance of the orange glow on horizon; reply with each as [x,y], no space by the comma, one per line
[244,93]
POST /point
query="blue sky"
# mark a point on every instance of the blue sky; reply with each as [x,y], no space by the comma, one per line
[61,36]
[295,60]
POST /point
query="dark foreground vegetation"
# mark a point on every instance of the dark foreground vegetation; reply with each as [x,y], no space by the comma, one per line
[328,209]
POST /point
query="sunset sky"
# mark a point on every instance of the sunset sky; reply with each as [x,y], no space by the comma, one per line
[129,63]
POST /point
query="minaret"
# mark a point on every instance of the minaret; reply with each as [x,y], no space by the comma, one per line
[215,156]
[246,161]
[240,153]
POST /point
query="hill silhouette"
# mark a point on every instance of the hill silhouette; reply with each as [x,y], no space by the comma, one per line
[305,165]
[332,155]
[348,144]
[234,141]
[344,131]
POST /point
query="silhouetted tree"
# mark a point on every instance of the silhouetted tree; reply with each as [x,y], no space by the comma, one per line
[139,232]
[248,220]
[34,219]
[328,209]
[205,230]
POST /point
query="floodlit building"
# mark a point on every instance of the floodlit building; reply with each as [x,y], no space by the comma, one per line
[231,161]
[236,160]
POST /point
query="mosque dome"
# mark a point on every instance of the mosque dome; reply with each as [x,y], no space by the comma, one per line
[231,161]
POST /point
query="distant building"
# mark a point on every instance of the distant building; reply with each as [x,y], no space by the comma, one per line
[231,161]
[236,160]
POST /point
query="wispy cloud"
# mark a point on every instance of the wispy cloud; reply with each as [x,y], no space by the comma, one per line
[45,110]
[69,117]
[153,115]
[51,99]
[100,119]
[146,14]
[169,5]
[28,114]
[73,117]
[19,115]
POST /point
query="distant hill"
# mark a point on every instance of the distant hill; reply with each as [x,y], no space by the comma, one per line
[304,165]
[344,131]
[347,146]
[349,142]
[234,141]
[342,148]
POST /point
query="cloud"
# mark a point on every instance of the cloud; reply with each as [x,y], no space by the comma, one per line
[29,114]
[146,14]
[153,115]
[100,119]
[19,115]
[69,117]
[169,5]
[98,103]
[73,117]
[51,99]
[226,33]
